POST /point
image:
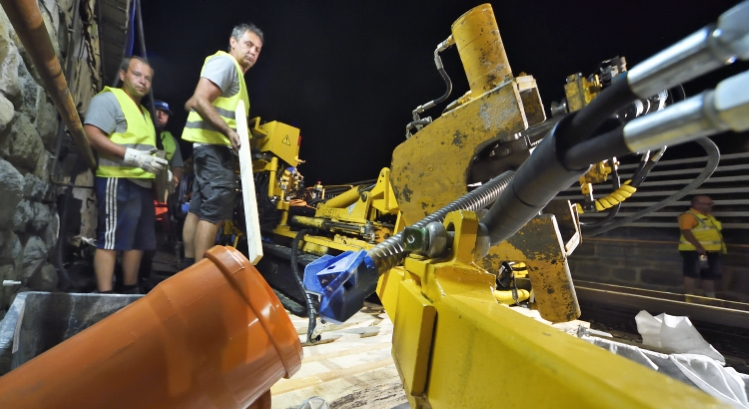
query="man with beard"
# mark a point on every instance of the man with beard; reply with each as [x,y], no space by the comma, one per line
[120,130]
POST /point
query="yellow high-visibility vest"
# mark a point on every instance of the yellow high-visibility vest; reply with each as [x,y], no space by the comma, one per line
[170,145]
[140,134]
[707,232]
[198,130]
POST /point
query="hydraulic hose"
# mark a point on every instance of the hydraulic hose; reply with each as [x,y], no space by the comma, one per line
[390,252]
[713,158]
[311,313]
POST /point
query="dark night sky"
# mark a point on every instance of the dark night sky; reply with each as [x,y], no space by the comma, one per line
[349,73]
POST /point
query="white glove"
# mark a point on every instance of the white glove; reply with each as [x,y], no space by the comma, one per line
[144,160]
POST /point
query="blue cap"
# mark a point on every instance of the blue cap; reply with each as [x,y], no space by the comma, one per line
[162,106]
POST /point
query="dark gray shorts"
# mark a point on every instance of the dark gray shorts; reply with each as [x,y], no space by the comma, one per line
[214,191]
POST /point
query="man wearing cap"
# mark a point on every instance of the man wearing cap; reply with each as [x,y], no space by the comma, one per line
[171,147]
[120,130]
[211,126]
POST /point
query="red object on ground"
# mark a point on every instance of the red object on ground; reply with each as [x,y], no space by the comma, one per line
[212,336]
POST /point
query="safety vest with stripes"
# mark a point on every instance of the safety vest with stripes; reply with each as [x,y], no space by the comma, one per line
[707,232]
[201,131]
[139,134]
[170,145]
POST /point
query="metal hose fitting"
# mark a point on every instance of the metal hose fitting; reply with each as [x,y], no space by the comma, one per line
[390,252]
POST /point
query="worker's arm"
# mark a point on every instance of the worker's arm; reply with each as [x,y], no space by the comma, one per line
[177,173]
[101,143]
[690,238]
[205,93]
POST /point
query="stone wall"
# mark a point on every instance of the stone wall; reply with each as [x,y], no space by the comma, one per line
[653,264]
[29,129]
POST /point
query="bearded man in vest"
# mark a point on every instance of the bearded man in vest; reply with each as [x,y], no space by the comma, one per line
[701,238]
[120,130]
[211,127]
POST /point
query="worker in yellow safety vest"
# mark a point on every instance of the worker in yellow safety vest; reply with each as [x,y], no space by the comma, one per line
[171,147]
[120,130]
[211,127]
[701,245]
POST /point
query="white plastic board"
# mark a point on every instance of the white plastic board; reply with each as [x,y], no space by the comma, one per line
[251,218]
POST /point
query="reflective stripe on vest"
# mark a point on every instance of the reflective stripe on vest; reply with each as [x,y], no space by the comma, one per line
[170,145]
[139,134]
[198,130]
[707,232]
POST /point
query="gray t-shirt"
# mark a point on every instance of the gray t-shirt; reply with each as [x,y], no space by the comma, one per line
[105,113]
[221,71]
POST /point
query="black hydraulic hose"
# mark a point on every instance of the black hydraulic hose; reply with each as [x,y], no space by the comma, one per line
[311,313]
[142,41]
[538,180]
[713,158]
[609,144]
[592,116]
[642,172]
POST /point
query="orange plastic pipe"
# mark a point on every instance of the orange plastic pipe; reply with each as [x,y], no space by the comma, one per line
[212,336]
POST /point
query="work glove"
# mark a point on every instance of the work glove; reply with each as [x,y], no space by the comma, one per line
[144,160]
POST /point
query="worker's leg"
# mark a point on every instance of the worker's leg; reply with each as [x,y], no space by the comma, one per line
[108,217]
[188,234]
[205,237]
[691,270]
[130,267]
[689,285]
[712,274]
[216,168]
[142,217]
[104,261]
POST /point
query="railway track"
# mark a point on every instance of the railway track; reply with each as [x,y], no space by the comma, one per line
[612,308]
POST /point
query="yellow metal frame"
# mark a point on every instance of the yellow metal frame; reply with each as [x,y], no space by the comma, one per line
[455,346]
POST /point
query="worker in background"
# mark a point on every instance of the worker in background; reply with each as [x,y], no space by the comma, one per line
[120,130]
[176,168]
[171,147]
[701,245]
[211,126]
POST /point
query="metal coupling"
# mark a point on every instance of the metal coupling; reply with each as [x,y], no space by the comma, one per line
[725,108]
[702,52]
[429,241]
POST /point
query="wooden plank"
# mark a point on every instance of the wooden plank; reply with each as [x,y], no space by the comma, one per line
[251,218]
[352,367]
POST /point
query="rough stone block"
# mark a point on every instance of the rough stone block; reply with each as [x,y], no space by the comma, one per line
[625,274]
[50,233]
[11,191]
[46,120]
[34,255]
[34,188]
[11,248]
[29,90]
[45,279]
[23,145]
[6,113]
[42,217]
[9,82]
[24,213]
[672,278]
